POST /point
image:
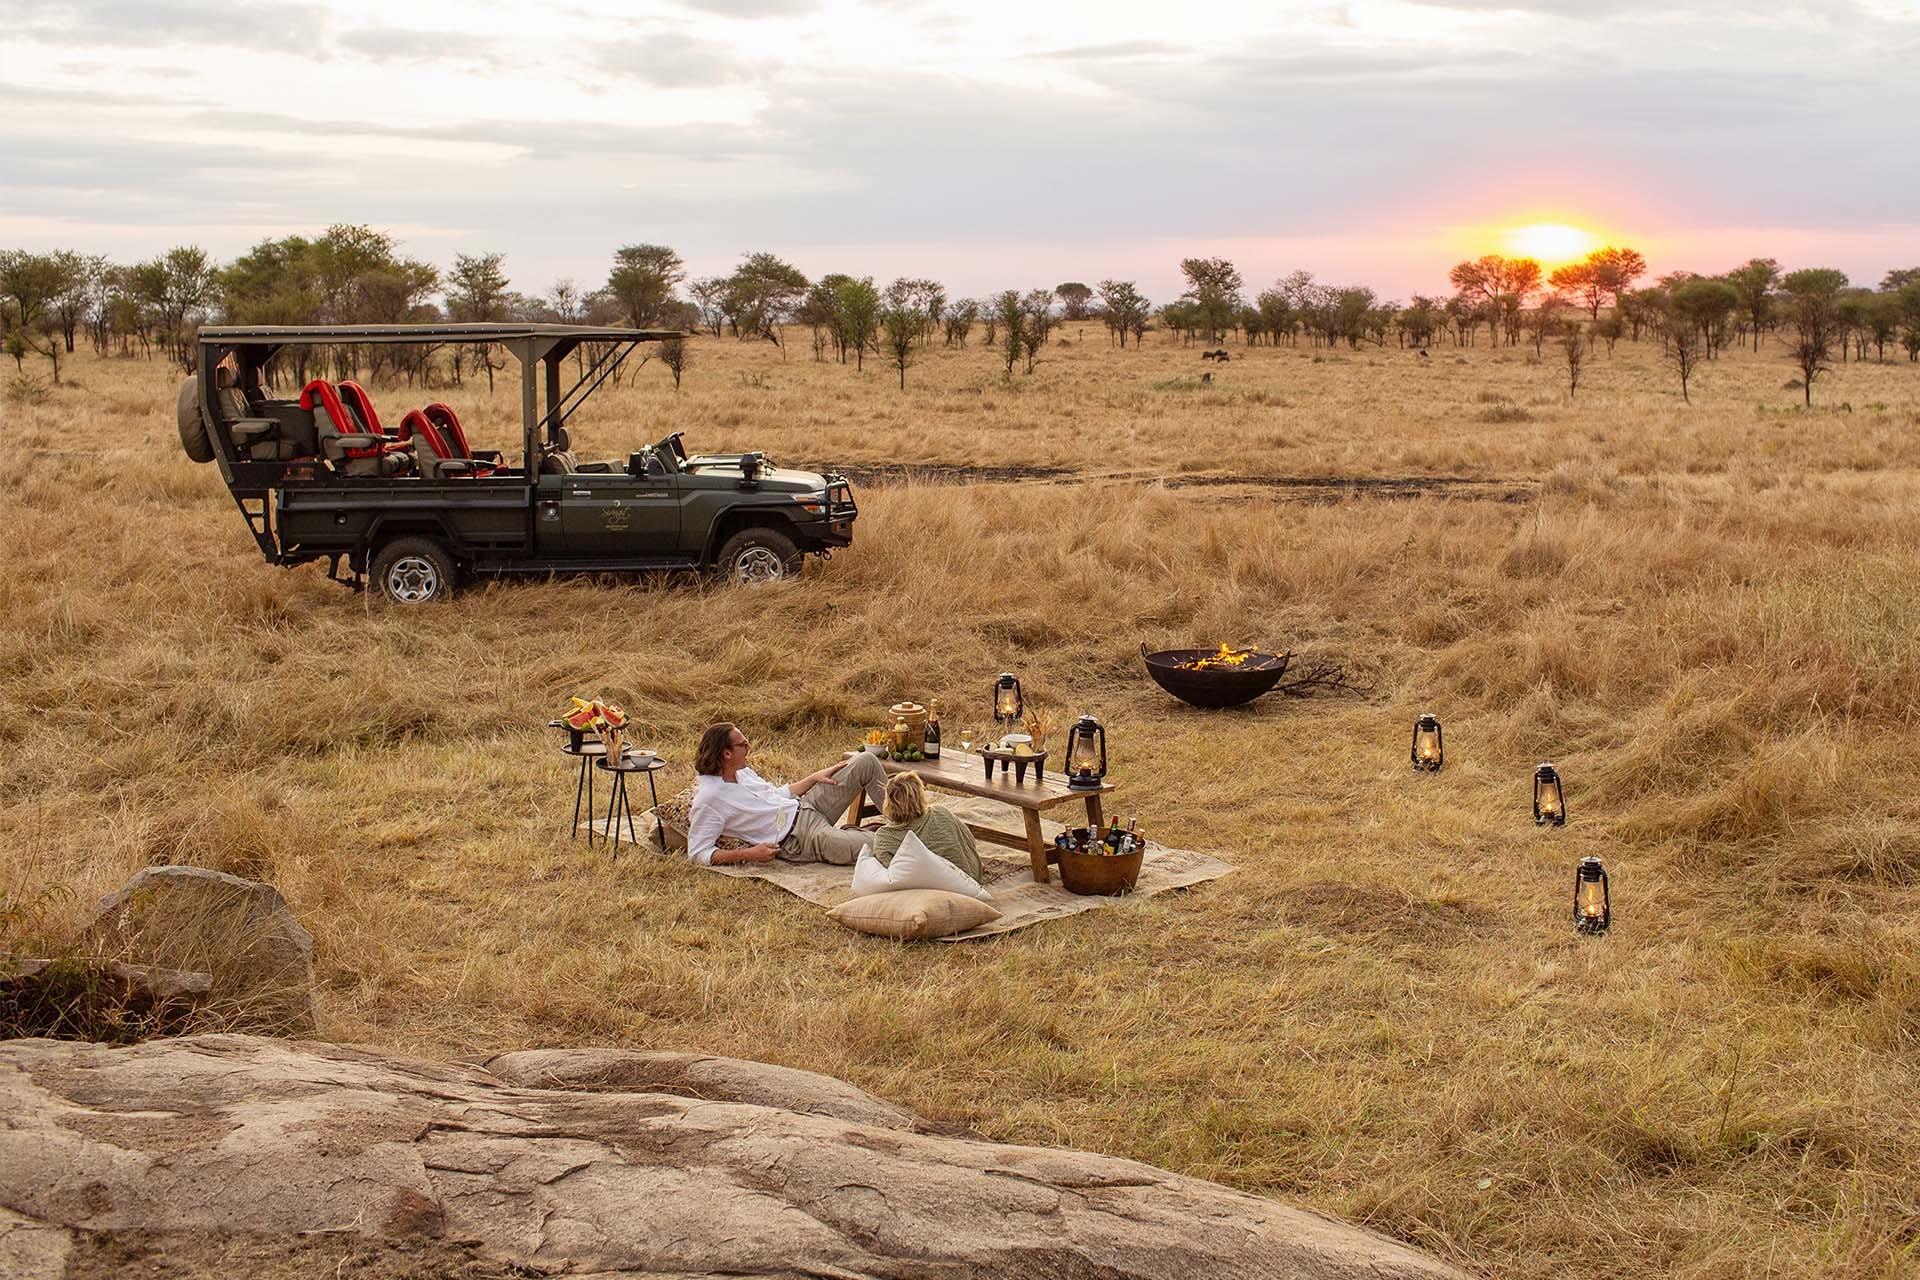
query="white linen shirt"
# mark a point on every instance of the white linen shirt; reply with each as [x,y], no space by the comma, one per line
[749,807]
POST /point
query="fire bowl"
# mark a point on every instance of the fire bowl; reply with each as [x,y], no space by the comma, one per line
[1214,686]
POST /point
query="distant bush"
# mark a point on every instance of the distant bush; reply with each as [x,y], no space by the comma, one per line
[1503,413]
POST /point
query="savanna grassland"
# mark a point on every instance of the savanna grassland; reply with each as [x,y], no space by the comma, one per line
[1704,613]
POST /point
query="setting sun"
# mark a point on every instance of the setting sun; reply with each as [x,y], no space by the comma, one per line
[1550,243]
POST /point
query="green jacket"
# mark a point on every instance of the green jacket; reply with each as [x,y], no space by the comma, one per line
[941,832]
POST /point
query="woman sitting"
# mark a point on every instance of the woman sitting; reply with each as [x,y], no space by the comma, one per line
[906,810]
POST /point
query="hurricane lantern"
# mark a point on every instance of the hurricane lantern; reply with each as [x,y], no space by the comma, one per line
[1007,703]
[1428,753]
[1592,903]
[1086,754]
[1549,801]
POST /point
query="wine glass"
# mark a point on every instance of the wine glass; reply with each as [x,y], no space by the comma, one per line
[966,739]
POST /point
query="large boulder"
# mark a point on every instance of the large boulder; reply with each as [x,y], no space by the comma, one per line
[234,1148]
[693,1075]
[240,932]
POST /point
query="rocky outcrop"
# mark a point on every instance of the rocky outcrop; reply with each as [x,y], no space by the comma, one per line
[692,1075]
[645,1165]
[240,932]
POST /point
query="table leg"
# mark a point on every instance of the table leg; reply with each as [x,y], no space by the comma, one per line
[1096,817]
[1036,846]
[579,787]
[659,841]
[592,808]
[613,827]
[626,807]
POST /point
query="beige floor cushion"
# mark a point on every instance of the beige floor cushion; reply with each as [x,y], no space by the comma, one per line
[914,913]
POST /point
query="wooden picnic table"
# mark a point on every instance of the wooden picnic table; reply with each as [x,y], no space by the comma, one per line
[962,772]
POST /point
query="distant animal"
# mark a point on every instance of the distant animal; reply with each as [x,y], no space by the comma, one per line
[1215,355]
[1423,353]
[1206,379]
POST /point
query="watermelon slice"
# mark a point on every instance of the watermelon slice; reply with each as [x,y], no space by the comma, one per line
[614,716]
[581,719]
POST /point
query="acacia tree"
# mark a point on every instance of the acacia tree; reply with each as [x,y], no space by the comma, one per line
[761,296]
[1910,318]
[902,328]
[856,306]
[1125,307]
[1603,274]
[1813,299]
[1501,285]
[676,355]
[1074,298]
[1213,287]
[960,320]
[1682,347]
[1008,316]
[476,290]
[1753,284]
[1573,349]
[642,282]
[1879,320]
[31,284]
[1706,304]
[708,295]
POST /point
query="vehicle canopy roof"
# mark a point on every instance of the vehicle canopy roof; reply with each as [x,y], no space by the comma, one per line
[232,335]
[539,348]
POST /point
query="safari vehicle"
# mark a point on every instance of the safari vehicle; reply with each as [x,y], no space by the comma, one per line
[320,475]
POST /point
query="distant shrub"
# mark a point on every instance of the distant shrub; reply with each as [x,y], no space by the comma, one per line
[25,392]
[1503,413]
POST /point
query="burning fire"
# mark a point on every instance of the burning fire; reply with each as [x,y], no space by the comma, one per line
[1225,660]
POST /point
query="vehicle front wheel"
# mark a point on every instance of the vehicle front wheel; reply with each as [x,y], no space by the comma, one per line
[414,571]
[758,555]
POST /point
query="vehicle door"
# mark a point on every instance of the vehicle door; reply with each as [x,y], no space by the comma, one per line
[619,516]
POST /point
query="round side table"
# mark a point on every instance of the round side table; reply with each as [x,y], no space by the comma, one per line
[586,753]
[617,806]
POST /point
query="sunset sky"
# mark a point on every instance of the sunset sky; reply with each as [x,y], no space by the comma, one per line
[990,143]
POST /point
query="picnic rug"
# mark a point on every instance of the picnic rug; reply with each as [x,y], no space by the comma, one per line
[1010,876]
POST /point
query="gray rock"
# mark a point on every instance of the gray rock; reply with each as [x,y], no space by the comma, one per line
[248,1138]
[240,932]
[692,1075]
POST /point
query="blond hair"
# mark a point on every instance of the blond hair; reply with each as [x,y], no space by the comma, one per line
[906,799]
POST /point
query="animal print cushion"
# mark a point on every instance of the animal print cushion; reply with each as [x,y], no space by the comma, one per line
[674,816]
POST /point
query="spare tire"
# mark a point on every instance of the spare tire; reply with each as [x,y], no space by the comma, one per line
[193,425]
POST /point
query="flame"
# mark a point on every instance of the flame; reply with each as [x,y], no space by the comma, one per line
[1227,659]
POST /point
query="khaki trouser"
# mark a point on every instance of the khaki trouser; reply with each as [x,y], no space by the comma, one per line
[816,834]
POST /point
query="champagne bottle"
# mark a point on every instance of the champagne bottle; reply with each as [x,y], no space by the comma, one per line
[933,730]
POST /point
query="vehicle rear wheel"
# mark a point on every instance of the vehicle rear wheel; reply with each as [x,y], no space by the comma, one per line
[193,426]
[758,555]
[414,571]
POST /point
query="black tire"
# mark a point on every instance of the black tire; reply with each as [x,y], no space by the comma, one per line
[193,426]
[757,555]
[415,571]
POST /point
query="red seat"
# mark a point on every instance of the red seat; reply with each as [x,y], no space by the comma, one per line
[360,405]
[439,461]
[349,439]
[443,417]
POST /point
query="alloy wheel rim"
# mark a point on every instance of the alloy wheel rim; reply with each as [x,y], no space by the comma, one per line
[413,579]
[758,564]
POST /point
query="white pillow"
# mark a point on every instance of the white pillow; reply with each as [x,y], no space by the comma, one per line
[914,867]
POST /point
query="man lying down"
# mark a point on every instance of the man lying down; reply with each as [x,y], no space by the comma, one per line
[797,822]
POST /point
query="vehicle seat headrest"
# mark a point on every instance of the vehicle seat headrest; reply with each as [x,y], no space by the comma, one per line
[561,441]
[224,377]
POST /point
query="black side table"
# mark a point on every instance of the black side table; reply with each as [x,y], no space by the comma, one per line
[617,806]
[588,752]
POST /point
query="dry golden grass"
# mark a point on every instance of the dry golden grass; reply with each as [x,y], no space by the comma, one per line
[1705,614]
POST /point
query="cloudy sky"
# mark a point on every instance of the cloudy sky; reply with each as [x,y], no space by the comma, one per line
[991,143]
